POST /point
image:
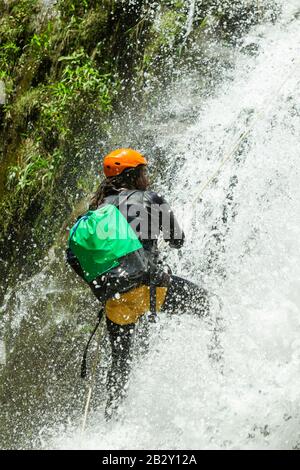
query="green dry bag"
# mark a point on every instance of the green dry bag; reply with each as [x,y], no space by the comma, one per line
[100,238]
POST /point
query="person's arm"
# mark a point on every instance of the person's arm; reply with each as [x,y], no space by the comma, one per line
[72,260]
[168,224]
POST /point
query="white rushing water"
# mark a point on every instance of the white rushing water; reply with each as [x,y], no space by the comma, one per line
[177,397]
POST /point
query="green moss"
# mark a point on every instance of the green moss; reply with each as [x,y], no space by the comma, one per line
[42,43]
[163,40]
[169,27]
[35,171]
[16,24]
[26,105]
[73,8]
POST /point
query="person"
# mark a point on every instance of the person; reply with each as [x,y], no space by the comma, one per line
[141,285]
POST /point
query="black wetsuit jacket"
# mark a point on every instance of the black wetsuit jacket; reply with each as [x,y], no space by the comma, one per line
[148,214]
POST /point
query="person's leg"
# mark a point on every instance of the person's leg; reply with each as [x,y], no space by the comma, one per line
[121,338]
[185,296]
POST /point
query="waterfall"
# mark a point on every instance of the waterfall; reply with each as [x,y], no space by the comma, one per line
[190,18]
[242,244]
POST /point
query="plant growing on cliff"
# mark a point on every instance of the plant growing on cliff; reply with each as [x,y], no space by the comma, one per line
[34,171]
[81,84]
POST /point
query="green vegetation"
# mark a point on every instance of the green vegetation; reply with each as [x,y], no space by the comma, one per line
[53,85]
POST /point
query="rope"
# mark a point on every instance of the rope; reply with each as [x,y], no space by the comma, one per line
[240,139]
[243,136]
[223,161]
[83,364]
[92,382]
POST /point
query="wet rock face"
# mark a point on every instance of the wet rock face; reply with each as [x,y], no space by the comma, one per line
[44,331]
[68,69]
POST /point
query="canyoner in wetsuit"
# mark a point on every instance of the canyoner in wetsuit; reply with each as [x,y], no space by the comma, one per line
[136,283]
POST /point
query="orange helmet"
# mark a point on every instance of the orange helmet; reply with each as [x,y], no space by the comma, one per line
[118,160]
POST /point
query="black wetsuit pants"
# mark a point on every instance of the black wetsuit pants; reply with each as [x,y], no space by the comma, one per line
[182,296]
[186,297]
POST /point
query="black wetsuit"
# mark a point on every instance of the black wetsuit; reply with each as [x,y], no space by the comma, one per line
[149,215]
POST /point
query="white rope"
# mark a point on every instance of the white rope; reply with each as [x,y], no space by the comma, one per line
[262,112]
[92,382]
